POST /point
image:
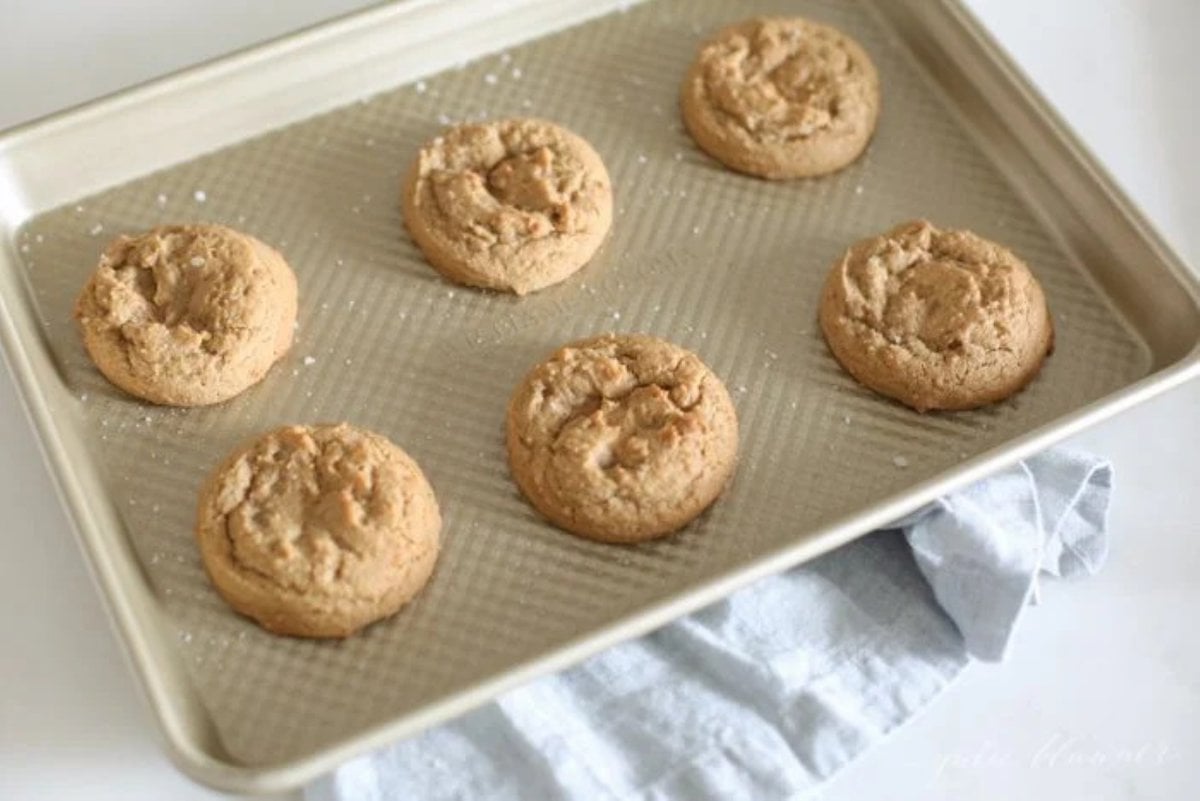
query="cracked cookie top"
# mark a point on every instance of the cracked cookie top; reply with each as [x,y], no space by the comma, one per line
[187,314]
[514,205]
[318,531]
[781,97]
[622,438]
[937,319]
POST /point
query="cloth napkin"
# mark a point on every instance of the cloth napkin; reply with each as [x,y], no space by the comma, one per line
[769,692]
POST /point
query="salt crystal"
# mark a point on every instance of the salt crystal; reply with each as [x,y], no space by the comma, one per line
[24,248]
[161,199]
[900,461]
[641,159]
[443,119]
[200,195]
[616,315]
[696,229]
[858,190]
[490,79]
[516,73]
[370,142]
[147,419]
[96,229]
[197,261]
[309,361]
[39,238]
[449,293]
[421,87]
[741,387]
[83,397]
[79,209]
[505,58]
[526,103]
[186,636]
[678,155]
[846,419]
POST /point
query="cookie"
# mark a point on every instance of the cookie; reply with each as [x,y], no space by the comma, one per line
[187,315]
[318,531]
[781,97]
[621,437]
[514,205]
[936,319]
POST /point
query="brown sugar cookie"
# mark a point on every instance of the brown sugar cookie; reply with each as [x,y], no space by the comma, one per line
[317,531]
[781,97]
[514,205]
[936,319]
[187,315]
[621,437]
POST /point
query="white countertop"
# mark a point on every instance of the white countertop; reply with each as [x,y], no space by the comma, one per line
[1101,697]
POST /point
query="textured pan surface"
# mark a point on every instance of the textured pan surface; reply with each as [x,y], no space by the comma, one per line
[723,264]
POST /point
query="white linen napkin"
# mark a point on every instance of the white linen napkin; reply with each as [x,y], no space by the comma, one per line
[769,692]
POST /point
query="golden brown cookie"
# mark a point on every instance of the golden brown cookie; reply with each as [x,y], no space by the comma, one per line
[621,437]
[936,319]
[318,531]
[514,205]
[781,97]
[187,315]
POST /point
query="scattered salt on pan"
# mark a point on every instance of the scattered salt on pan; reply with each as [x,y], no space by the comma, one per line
[741,387]
[348,361]
[309,361]
[161,199]
[83,397]
[186,636]
[443,119]
[39,238]
[370,142]
[516,73]
[505,58]
[641,158]
[200,196]
[25,248]
[96,229]
[846,419]
[79,209]
[296,371]
[490,78]
[696,230]
[526,103]
[197,261]
[241,218]
[679,155]
[449,293]
[900,461]
[616,315]
[421,87]
[858,190]
[147,419]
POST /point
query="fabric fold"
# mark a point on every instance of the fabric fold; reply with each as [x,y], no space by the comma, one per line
[769,692]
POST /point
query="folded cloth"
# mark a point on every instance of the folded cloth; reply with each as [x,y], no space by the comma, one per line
[769,692]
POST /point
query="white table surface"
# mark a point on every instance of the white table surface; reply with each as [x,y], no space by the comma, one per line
[1102,696]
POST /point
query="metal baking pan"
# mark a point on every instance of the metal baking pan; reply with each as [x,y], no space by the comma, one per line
[302,142]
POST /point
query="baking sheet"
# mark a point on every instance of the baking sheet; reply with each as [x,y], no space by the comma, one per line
[725,265]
